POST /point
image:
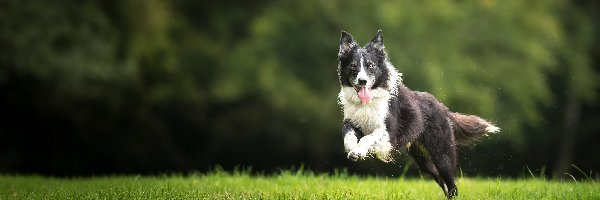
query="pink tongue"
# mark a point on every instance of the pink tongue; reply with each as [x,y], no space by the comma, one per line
[364,94]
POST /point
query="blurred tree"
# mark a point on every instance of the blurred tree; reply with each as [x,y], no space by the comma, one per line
[579,83]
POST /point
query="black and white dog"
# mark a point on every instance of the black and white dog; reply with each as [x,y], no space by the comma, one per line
[382,116]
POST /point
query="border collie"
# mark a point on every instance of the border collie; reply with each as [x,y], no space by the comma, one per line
[382,116]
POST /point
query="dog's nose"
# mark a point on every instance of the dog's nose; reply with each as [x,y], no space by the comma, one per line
[362,81]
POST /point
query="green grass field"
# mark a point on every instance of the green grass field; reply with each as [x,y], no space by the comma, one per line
[287,185]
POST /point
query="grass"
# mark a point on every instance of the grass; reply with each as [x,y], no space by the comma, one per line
[286,185]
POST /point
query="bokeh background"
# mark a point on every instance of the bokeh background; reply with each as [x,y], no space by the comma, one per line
[154,86]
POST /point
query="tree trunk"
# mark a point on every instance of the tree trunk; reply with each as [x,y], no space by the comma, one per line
[568,137]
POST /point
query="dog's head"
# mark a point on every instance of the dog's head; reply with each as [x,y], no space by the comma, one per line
[363,68]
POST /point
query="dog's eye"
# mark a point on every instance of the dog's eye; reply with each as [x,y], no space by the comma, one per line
[353,66]
[370,65]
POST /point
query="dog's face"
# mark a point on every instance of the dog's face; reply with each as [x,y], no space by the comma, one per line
[363,68]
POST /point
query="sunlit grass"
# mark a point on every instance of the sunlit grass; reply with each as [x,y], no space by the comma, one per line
[285,185]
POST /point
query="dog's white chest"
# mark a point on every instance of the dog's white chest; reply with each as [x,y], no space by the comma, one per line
[367,117]
[370,118]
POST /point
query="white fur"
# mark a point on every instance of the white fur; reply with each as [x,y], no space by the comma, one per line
[395,78]
[350,141]
[382,146]
[362,74]
[378,143]
[370,118]
[367,117]
[492,129]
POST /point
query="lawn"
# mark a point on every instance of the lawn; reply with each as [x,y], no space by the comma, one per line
[286,185]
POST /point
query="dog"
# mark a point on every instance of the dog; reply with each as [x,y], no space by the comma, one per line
[383,116]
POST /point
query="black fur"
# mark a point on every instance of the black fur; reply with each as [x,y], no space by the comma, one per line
[415,118]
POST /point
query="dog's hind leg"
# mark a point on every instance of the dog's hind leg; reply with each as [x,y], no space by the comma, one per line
[444,159]
[440,144]
[446,171]
[423,159]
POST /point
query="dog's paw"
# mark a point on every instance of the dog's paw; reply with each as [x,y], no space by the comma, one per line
[357,154]
[352,156]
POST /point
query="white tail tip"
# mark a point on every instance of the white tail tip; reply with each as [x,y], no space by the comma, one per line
[492,129]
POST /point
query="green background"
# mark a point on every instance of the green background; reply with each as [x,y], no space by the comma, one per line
[149,86]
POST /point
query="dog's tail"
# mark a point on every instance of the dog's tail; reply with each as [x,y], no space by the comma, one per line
[469,127]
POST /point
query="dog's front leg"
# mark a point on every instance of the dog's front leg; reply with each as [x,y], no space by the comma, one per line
[378,142]
[351,136]
[350,141]
[362,148]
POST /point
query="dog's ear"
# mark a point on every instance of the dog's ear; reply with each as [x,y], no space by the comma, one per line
[377,41]
[347,43]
